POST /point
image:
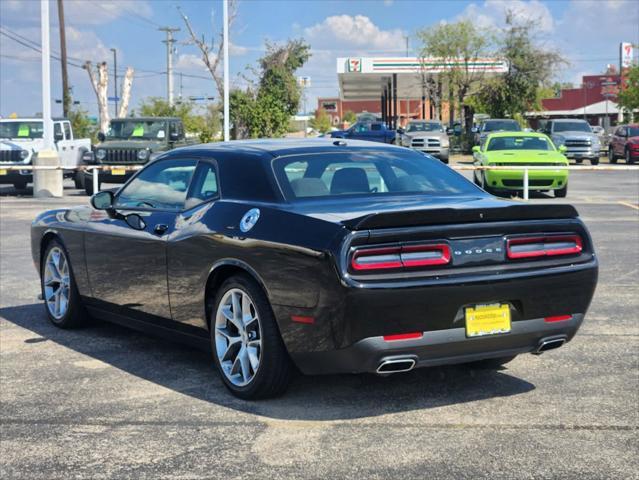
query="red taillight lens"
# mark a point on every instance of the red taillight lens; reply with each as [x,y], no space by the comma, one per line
[543,246]
[401,256]
[557,318]
[402,336]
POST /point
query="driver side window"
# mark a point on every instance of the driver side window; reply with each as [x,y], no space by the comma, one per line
[162,185]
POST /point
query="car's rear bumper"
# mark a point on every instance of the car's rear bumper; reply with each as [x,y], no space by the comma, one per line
[537,179]
[440,347]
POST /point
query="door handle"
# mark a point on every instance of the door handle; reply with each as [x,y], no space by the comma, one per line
[160,229]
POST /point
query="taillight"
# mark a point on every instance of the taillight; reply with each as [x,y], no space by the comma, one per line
[557,318]
[405,256]
[402,336]
[543,246]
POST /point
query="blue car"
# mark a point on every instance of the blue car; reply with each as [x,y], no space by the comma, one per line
[371,131]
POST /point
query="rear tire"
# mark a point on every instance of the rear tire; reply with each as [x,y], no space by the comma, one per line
[61,298]
[492,363]
[251,358]
[562,192]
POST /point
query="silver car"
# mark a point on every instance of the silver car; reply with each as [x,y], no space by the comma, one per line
[428,136]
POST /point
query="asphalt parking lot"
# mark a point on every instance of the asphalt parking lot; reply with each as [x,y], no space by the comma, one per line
[106,402]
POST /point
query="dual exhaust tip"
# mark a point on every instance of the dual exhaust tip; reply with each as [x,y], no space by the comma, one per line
[406,364]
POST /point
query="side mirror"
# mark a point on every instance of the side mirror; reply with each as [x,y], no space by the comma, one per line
[101,137]
[562,149]
[135,221]
[474,130]
[102,200]
[174,136]
[476,149]
[57,136]
[449,131]
[401,131]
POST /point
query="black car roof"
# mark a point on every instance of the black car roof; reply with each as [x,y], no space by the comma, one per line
[281,147]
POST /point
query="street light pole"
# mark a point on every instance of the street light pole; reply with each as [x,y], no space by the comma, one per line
[115,81]
[47,134]
[226,70]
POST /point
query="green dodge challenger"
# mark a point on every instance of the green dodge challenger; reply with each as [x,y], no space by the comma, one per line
[520,149]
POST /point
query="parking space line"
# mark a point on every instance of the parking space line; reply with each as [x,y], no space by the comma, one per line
[627,204]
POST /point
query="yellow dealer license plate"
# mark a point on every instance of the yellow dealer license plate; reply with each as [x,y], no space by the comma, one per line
[3,172]
[487,320]
[118,171]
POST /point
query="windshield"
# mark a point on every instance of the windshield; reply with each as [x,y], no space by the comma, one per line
[367,174]
[425,127]
[137,130]
[633,131]
[506,125]
[518,143]
[571,127]
[21,130]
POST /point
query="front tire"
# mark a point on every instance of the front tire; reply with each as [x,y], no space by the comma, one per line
[88,185]
[629,159]
[78,180]
[611,155]
[247,347]
[562,192]
[20,185]
[594,161]
[59,291]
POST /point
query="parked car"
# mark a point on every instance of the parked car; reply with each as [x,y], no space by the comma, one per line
[371,131]
[21,139]
[624,143]
[495,125]
[131,142]
[577,136]
[520,149]
[331,256]
[427,136]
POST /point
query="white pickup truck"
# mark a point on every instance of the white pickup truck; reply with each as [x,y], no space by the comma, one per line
[21,139]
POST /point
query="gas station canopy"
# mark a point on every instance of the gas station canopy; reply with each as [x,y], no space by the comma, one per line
[364,78]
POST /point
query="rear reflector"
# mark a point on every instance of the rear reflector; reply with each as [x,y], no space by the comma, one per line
[557,318]
[402,336]
[543,246]
[405,256]
[303,319]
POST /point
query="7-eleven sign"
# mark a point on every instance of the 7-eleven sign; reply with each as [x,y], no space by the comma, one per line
[354,65]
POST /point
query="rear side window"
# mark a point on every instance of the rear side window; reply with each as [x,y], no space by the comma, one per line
[204,186]
[375,174]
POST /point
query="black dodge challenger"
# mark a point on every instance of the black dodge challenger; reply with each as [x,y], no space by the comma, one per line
[326,255]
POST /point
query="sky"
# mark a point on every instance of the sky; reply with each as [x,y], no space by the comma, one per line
[586,32]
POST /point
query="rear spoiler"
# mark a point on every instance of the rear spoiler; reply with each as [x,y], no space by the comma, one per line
[441,216]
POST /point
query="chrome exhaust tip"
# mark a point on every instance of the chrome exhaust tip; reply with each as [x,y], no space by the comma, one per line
[549,344]
[395,365]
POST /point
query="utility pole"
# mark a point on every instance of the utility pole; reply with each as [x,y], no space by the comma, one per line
[169,61]
[225,14]
[115,81]
[66,96]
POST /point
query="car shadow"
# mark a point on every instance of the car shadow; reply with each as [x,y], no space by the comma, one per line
[321,398]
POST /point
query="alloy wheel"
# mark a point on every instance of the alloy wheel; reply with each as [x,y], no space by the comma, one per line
[56,283]
[238,337]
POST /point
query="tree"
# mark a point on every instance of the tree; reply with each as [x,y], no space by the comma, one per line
[349,116]
[100,88]
[264,109]
[628,97]
[322,122]
[530,67]
[457,46]
[212,55]
[82,125]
